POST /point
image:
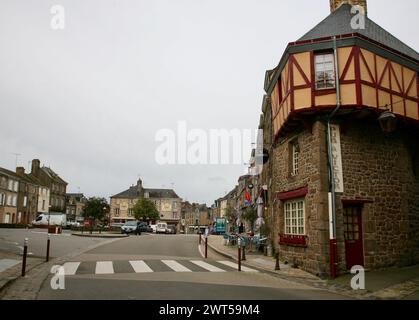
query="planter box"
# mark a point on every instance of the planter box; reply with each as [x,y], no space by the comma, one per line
[292,240]
[55,230]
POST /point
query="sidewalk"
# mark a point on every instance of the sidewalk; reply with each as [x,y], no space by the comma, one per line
[11,274]
[395,283]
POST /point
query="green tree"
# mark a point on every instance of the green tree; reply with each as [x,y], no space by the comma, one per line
[231,214]
[251,215]
[145,209]
[95,209]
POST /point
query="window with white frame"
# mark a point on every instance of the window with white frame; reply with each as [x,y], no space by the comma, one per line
[14,201]
[2,199]
[295,217]
[10,185]
[25,201]
[325,71]
[15,186]
[116,212]
[295,155]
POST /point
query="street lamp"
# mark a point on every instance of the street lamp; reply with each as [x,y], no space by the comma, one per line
[104,215]
[388,121]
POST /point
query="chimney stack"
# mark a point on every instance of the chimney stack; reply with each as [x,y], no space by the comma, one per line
[36,164]
[335,4]
[20,171]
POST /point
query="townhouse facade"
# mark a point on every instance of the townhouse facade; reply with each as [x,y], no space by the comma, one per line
[9,190]
[75,204]
[339,116]
[167,202]
[56,185]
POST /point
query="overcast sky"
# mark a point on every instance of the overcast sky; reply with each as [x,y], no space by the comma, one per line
[89,99]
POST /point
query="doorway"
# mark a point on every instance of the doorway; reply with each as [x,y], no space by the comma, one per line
[352,223]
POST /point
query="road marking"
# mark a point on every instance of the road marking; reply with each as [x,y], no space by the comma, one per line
[200,251]
[207,266]
[140,266]
[70,268]
[7,263]
[234,265]
[175,266]
[104,267]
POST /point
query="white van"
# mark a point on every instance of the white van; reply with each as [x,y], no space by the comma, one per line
[55,219]
[161,227]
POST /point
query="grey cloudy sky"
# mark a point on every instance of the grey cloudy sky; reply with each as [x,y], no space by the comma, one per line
[88,100]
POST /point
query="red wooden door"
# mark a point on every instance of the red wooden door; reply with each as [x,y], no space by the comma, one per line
[354,250]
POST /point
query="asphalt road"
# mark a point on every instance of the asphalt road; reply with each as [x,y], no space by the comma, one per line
[168,267]
[12,241]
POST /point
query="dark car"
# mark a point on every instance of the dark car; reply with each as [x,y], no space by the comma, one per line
[144,227]
[171,229]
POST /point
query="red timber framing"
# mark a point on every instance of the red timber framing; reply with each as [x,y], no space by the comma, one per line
[397,86]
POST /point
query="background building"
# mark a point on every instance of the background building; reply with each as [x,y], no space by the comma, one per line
[167,203]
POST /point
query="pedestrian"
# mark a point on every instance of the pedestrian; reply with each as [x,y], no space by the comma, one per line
[241,228]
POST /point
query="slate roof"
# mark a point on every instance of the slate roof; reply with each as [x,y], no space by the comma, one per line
[26,178]
[53,175]
[133,193]
[339,23]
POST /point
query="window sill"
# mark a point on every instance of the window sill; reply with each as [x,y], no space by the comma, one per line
[293,240]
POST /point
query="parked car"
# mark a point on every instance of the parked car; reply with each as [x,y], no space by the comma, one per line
[131,227]
[153,227]
[144,227]
[171,229]
[161,227]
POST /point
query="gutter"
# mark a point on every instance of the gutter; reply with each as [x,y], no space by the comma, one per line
[331,194]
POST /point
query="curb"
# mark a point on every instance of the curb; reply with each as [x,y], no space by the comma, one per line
[111,236]
[11,280]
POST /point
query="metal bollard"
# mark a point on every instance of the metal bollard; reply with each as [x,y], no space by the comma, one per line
[206,247]
[25,252]
[239,266]
[48,245]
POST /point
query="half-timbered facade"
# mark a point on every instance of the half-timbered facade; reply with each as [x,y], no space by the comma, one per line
[346,192]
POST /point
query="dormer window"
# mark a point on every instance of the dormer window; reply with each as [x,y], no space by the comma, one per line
[325,71]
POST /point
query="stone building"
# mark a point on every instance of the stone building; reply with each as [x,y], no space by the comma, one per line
[56,185]
[9,188]
[27,201]
[75,203]
[339,118]
[167,203]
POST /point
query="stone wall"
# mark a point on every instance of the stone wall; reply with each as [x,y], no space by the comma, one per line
[380,168]
[312,173]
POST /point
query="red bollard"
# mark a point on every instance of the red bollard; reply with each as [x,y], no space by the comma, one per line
[206,247]
[239,260]
[48,244]
[25,252]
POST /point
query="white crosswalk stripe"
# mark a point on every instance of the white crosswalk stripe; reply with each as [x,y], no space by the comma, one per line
[140,266]
[70,268]
[175,266]
[207,266]
[104,267]
[234,265]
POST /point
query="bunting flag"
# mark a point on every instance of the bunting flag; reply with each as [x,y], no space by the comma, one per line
[248,199]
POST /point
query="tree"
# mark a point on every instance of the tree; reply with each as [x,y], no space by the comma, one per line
[94,208]
[251,215]
[145,209]
[231,214]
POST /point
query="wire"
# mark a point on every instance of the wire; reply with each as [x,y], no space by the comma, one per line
[397,102]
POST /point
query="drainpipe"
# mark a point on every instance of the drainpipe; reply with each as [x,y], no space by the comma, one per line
[331,194]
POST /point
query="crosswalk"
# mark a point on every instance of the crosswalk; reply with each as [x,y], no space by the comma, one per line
[149,266]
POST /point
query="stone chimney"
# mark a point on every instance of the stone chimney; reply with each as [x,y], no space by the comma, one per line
[139,185]
[335,4]
[20,171]
[36,164]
